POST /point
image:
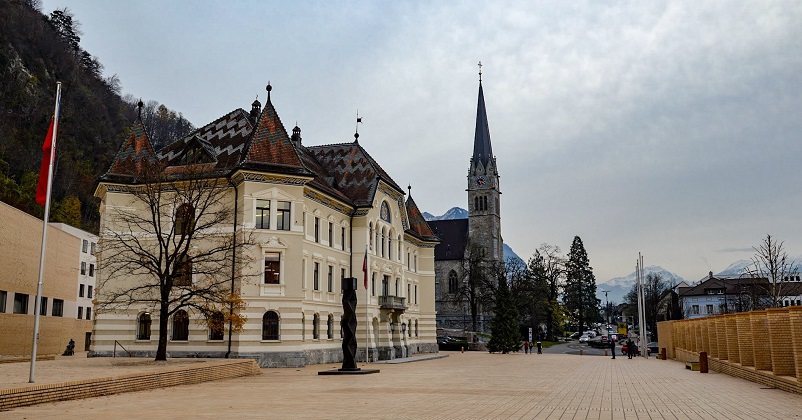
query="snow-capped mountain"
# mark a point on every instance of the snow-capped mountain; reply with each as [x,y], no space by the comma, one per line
[618,287]
[735,269]
[460,213]
[452,213]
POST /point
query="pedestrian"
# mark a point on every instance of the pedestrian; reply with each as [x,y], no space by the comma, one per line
[539,347]
[526,347]
[612,347]
[630,349]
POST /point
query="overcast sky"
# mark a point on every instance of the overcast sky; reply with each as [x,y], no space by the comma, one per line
[669,128]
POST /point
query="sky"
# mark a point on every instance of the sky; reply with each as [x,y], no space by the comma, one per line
[673,129]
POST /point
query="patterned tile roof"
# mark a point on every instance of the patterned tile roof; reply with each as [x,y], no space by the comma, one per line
[134,153]
[417,224]
[354,171]
[270,148]
[322,180]
[223,140]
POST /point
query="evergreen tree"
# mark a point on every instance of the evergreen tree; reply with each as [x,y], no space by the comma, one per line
[504,325]
[580,287]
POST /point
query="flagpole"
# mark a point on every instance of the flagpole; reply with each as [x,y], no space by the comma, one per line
[38,302]
[367,303]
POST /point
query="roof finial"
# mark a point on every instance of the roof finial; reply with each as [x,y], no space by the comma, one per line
[356,132]
[139,106]
[268,88]
[409,187]
[480,72]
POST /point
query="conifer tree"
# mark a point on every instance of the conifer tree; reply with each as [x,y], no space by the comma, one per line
[580,287]
[504,325]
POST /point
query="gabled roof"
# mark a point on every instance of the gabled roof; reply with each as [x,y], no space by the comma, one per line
[353,170]
[135,152]
[453,236]
[224,138]
[482,150]
[418,226]
[322,180]
[727,285]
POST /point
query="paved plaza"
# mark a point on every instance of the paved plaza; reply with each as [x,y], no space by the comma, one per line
[460,386]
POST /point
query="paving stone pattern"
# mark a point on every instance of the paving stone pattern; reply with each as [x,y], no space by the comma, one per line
[461,386]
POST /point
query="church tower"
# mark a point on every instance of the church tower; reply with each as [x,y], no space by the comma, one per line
[484,194]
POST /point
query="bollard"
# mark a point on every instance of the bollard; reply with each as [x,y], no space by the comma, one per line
[605,352]
[580,352]
[703,362]
[663,353]
[462,349]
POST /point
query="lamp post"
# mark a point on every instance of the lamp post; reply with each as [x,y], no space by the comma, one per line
[606,312]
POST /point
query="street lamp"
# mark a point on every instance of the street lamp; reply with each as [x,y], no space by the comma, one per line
[607,312]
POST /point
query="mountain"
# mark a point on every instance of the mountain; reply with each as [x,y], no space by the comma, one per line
[618,287]
[460,213]
[735,269]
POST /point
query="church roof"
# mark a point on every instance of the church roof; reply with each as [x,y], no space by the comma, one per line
[453,236]
[482,150]
[417,224]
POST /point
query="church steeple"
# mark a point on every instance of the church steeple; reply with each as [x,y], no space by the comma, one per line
[482,150]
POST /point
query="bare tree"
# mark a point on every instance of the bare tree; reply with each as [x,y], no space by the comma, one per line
[476,288]
[171,248]
[772,263]
[545,274]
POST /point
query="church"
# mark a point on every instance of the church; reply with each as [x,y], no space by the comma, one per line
[470,244]
[315,214]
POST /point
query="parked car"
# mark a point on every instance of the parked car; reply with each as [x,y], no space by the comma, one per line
[591,334]
[624,348]
[605,339]
[653,347]
[584,338]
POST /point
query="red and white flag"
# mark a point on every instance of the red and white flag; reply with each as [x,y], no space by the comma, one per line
[44,171]
[365,268]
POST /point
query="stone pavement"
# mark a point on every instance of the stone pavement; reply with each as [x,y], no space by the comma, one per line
[461,386]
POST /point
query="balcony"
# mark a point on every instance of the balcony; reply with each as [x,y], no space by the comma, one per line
[394,303]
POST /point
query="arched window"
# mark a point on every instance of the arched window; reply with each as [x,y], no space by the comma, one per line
[370,235]
[216,326]
[330,327]
[485,202]
[182,271]
[453,285]
[390,245]
[476,203]
[184,219]
[416,328]
[316,327]
[143,326]
[409,329]
[270,326]
[384,236]
[400,253]
[180,326]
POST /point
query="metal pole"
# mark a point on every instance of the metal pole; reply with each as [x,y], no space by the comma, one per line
[37,303]
[642,310]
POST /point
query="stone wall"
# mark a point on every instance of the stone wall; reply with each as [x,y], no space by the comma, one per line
[760,346]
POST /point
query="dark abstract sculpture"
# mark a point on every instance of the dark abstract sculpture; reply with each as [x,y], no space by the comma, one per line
[349,324]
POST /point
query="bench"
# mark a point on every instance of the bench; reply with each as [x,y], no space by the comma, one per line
[692,365]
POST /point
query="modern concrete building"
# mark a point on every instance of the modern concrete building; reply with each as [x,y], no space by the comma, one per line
[66,309]
[312,212]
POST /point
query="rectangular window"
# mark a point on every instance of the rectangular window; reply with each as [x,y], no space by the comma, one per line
[342,238]
[317,229]
[20,303]
[331,279]
[80,312]
[304,223]
[84,246]
[316,276]
[80,290]
[342,274]
[263,214]
[58,307]
[709,309]
[409,292]
[695,310]
[272,268]
[93,248]
[331,234]
[88,313]
[373,285]
[385,285]
[416,294]
[3,297]
[83,268]
[91,270]
[283,215]
[43,306]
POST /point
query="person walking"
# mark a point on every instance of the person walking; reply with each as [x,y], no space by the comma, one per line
[630,348]
[612,347]
[526,347]
[539,347]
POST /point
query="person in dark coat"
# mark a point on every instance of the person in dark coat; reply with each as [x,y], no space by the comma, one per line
[630,349]
[539,347]
[612,347]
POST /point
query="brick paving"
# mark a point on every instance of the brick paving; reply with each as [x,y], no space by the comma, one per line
[461,386]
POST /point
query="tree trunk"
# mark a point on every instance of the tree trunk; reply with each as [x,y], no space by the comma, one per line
[161,351]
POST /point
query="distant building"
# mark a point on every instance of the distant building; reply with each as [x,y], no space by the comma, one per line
[66,311]
[315,212]
[721,295]
[479,234]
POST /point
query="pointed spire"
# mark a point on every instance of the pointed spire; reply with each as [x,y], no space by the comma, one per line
[268,88]
[139,106]
[256,109]
[409,187]
[482,150]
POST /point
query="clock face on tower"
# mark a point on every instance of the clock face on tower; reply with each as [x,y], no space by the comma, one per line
[479,181]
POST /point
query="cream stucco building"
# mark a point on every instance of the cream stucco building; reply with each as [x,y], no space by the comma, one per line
[310,213]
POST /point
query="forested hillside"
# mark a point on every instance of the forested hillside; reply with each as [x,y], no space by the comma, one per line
[36,51]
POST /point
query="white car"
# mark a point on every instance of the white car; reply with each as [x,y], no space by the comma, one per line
[584,338]
[591,334]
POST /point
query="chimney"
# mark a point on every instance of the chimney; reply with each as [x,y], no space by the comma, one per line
[256,109]
[711,275]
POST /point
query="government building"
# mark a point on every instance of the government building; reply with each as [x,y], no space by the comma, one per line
[306,216]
